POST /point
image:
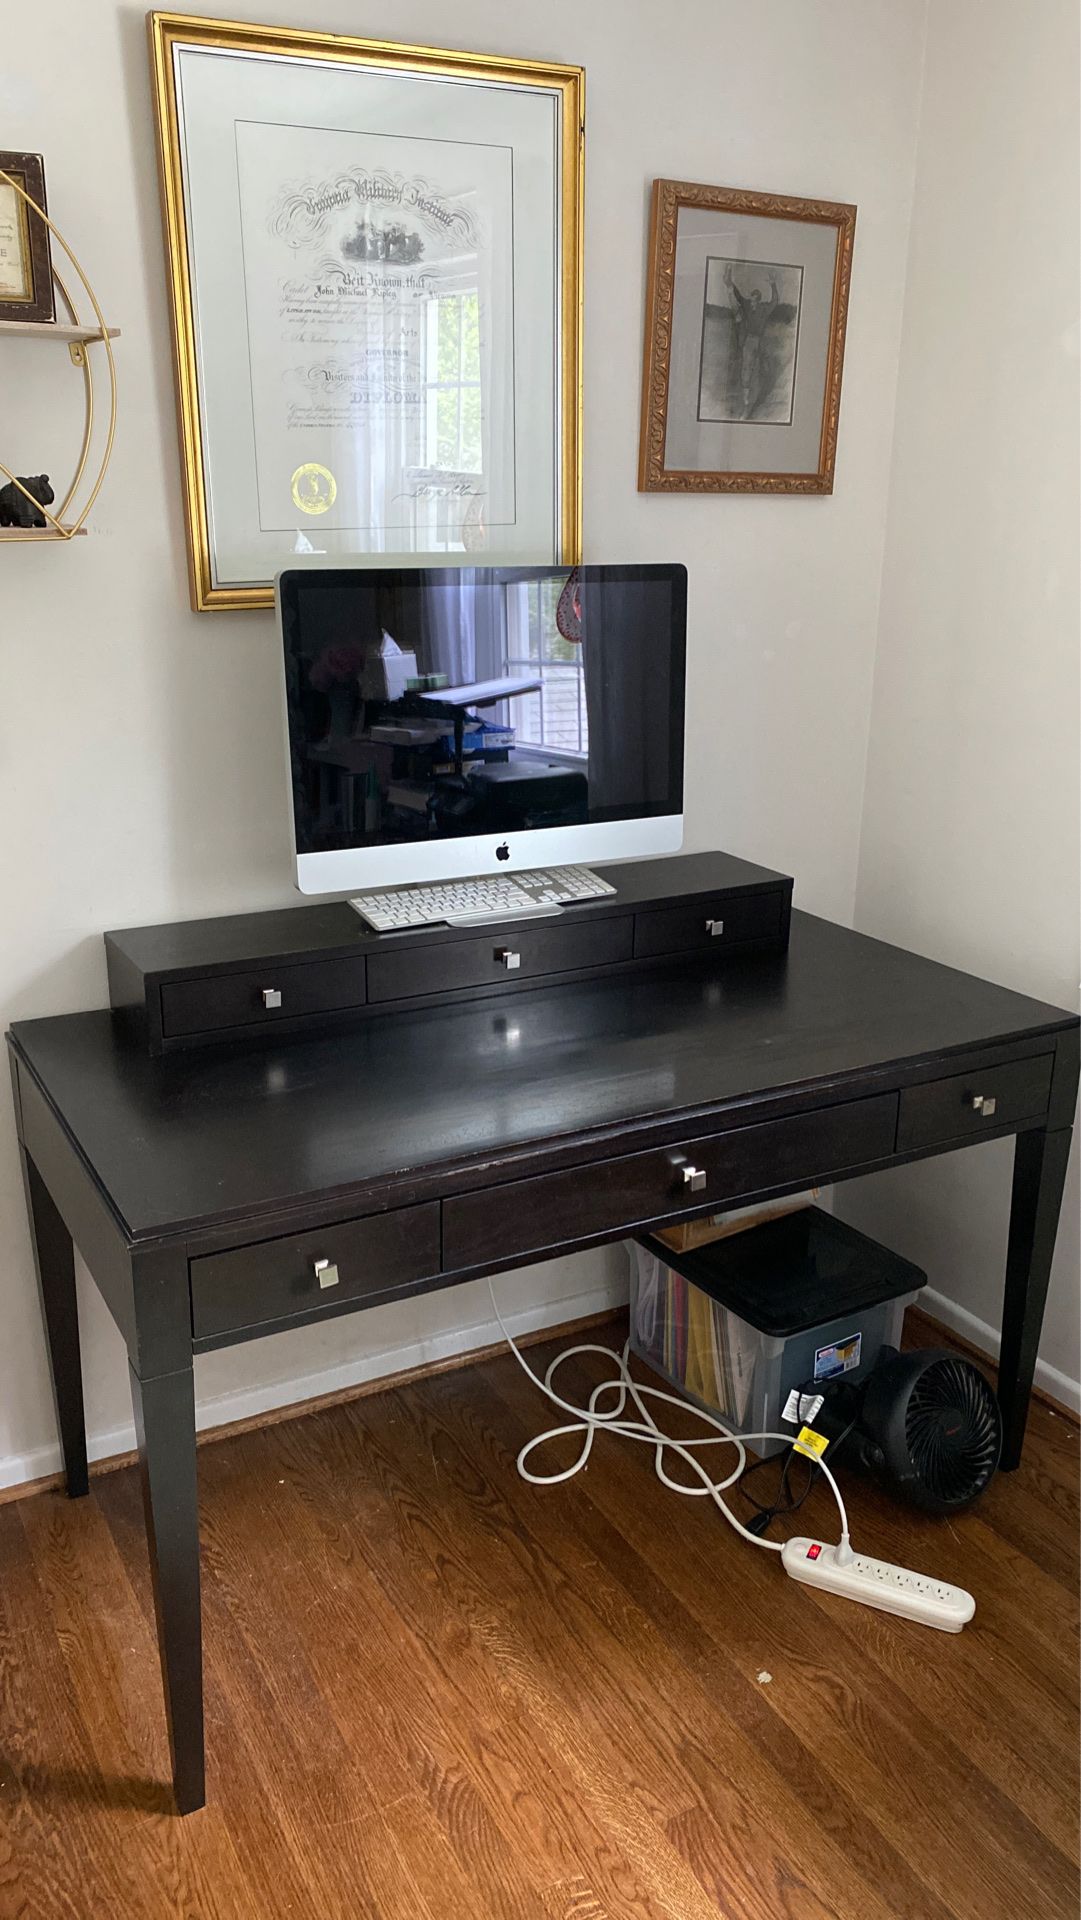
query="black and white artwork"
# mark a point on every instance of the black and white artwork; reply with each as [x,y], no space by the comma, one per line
[750,339]
[747,298]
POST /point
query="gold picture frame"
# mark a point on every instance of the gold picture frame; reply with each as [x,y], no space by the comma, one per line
[707,339]
[170,31]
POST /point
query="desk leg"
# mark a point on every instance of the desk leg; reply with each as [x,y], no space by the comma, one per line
[165,1426]
[1039,1173]
[54,1257]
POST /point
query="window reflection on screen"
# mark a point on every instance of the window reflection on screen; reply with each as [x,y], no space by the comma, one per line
[429,703]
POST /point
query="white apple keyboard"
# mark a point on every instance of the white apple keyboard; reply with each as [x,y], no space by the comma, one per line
[876,1583]
[479,903]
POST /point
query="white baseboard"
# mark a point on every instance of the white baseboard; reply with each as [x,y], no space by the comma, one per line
[960,1320]
[246,1403]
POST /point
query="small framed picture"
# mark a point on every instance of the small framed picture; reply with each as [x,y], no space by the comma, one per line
[746,305]
[26,279]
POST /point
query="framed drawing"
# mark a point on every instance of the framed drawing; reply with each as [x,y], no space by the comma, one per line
[746,304]
[26,275]
[375,263]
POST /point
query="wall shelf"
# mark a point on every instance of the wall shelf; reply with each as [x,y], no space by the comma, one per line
[55,330]
[40,533]
[68,518]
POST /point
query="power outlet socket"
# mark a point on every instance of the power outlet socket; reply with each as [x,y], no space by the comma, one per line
[877,1583]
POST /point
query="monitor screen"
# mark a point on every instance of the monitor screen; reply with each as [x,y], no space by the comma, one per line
[489,705]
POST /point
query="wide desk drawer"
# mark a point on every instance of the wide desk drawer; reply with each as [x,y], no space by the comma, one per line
[527,1216]
[257,999]
[501,954]
[274,1279]
[970,1103]
[709,925]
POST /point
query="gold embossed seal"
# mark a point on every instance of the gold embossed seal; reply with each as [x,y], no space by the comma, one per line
[314,488]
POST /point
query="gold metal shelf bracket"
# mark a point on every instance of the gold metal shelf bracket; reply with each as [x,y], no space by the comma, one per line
[79,336]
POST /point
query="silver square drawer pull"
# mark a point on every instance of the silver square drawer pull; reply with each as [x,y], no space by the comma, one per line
[326,1273]
[714,927]
[984,1103]
[271,997]
[507,957]
[694,1178]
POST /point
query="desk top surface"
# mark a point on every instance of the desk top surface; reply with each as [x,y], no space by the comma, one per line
[396,1103]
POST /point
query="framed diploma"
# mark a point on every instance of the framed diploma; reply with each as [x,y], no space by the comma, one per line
[374,255]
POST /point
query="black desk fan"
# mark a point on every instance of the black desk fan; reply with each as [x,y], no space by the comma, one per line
[925,1424]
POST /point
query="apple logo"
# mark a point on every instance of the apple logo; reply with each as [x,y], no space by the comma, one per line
[503,852]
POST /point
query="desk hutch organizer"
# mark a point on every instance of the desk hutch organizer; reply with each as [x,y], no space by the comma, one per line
[308,969]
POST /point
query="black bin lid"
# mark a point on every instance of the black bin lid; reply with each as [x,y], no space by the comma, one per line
[795,1272]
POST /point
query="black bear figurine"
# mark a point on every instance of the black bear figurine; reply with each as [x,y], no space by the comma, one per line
[16,510]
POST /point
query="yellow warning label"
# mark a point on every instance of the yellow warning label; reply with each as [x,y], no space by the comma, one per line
[810,1443]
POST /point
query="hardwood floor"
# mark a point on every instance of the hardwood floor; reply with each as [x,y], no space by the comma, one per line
[436,1693]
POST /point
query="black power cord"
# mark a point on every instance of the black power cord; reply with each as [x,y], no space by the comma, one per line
[786,1500]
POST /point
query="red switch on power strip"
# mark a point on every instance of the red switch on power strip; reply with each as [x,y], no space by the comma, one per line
[813,1550]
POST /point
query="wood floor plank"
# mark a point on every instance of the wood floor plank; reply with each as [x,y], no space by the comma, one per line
[455,1762]
[259,1757]
[35,1728]
[910,1773]
[725,1709]
[616,1662]
[435,1693]
[700,1841]
[446,1886]
[489,1791]
[81,1626]
[575,1900]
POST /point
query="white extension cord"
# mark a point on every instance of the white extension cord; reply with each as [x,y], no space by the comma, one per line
[875,1583]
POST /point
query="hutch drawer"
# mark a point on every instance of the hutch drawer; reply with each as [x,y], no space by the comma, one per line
[709,925]
[499,955]
[261,998]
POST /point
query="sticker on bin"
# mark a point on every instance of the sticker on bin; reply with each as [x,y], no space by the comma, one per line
[841,1356]
[800,1407]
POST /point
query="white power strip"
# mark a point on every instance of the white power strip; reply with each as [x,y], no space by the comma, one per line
[875,1583]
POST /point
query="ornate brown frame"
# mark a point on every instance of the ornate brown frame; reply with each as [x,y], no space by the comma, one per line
[668,197]
[26,171]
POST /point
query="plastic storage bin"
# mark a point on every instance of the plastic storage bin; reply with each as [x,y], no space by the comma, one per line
[742,1325]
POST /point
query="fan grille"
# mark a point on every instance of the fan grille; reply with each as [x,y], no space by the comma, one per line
[953,1430]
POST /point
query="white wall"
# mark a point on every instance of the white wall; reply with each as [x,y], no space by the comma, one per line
[970,834]
[138,750]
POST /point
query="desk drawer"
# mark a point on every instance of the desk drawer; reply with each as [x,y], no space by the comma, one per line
[961,1107]
[525,1216]
[710,925]
[276,1279]
[259,999]
[483,961]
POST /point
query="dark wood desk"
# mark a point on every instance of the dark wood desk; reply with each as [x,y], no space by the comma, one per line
[436,1144]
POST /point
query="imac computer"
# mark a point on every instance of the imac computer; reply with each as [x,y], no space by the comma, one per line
[451,730]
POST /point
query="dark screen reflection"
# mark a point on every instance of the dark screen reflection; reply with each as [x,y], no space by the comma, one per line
[430,703]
